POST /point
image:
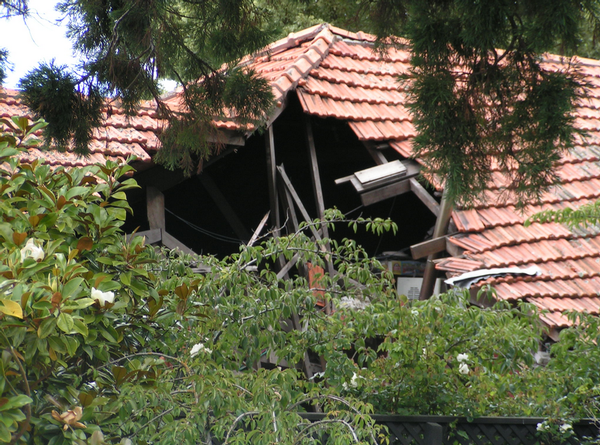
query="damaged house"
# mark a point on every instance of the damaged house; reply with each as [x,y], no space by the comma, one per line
[340,136]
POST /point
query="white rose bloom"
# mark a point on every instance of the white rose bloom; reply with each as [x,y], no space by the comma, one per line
[103,297]
[354,381]
[32,250]
[462,357]
[463,368]
[199,347]
[542,426]
[565,427]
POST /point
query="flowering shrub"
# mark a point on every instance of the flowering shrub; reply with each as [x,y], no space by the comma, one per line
[105,340]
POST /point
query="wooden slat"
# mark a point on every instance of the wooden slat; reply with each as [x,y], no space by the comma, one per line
[288,184]
[261,226]
[389,191]
[171,242]
[424,196]
[152,236]
[428,247]
[272,180]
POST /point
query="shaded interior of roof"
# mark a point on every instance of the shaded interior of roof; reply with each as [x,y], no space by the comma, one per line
[242,178]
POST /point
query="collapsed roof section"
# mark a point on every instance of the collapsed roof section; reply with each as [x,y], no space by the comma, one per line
[339,74]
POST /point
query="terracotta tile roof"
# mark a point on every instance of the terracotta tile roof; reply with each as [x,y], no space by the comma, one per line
[338,74]
[348,80]
[119,138]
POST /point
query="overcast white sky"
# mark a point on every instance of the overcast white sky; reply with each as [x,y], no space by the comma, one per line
[36,39]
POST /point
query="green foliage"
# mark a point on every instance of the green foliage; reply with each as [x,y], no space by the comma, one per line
[191,135]
[105,340]
[130,45]
[500,104]
[478,94]
[53,93]
[585,215]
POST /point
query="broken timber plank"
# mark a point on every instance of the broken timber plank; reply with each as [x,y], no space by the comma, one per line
[428,247]
[377,155]
[259,229]
[171,242]
[296,198]
[152,236]
[389,191]
[424,196]
[435,245]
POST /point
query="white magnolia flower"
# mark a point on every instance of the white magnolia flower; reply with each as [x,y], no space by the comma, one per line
[463,368]
[353,382]
[414,312]
[565,427]
[199,347]
[103,297]
[32,250]
[542,426]
[462,357]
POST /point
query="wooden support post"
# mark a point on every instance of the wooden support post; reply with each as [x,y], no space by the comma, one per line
[377,155]
[155,208]
[440,229]
[224,206]
[318,190]
[272,180]
[314,173]
[424,196]
[288,185]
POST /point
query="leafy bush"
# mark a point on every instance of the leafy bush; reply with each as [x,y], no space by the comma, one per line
[106,340]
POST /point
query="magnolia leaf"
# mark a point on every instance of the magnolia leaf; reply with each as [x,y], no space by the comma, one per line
[10,307]
[61,202]
[65,322]
[119,373]
[97,438]
[72,344]
[46,327]
[19,237]
[86,399]
[85,243]
[16,402]
[80,327]
[72,287]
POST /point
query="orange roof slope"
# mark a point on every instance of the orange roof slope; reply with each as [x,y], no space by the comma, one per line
[338,74]
[119,137]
